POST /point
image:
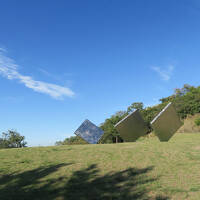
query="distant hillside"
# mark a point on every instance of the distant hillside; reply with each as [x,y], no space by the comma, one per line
[189,125]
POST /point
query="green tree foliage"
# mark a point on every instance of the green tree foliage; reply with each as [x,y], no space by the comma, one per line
[197,121]
[110,133]
[135,106]
[71,140]
[12,139]
[150,113]
[186,101]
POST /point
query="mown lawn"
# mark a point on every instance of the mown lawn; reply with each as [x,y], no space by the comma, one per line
[146,169]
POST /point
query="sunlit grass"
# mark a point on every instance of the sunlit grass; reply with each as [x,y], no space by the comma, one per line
[146,169]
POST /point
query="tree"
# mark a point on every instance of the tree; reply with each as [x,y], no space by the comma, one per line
[111,135]
[12,139]
[58,143]
[186,101]
[71,140]
[197,121]
[135,106]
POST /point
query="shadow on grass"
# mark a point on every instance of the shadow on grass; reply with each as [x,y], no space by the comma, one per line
[128,184]
[84,184]
[28,184]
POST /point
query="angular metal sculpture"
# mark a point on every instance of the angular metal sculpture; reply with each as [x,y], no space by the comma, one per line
[166,123]
[132,127]
[89,132]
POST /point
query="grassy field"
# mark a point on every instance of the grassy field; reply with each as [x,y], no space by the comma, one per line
[146,169]
[189,125]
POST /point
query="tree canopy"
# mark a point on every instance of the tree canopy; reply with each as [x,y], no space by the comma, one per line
[71,140]
[12,139]
[186,101]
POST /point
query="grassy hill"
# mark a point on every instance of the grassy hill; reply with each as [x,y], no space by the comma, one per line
[146,169]
[189,125]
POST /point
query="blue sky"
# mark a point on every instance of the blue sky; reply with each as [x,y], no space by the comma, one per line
[64,61]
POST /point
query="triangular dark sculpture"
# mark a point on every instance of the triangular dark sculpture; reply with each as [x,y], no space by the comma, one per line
[132,127]
[166,123]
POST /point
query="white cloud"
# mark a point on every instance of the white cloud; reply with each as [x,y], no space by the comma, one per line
[52,76]
[9,70]
[165,74]
[2,49]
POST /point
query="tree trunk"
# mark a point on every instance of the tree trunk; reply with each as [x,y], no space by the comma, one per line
[116,139]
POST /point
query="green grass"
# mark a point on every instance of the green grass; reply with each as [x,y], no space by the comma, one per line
[147,169]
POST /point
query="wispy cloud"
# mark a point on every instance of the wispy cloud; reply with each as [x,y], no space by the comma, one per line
[2,49]
[52,76]
[9,70]
[166,73]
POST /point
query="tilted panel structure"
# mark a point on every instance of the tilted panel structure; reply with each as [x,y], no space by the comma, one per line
[89,132]
[132,127]
[166,123]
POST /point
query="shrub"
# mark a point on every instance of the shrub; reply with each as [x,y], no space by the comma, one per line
[12,139]
[197,121]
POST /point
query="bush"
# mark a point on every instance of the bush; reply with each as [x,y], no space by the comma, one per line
[71,140]
[12,139]
[197,121]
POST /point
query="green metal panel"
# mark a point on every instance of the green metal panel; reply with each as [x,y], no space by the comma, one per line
[166,123]
[132,127]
